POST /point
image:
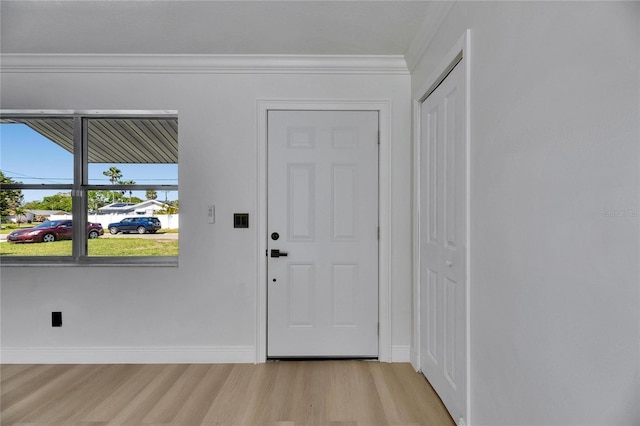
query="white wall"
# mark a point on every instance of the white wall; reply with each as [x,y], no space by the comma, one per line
[554,209]
[205,308]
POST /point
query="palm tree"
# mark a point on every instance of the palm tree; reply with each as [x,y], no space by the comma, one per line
[19,213]
[127,182]
[113,174]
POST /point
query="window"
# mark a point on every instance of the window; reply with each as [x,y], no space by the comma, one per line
[96,187]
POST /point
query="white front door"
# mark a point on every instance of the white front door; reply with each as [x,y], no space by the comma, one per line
[322,267]
[443,239]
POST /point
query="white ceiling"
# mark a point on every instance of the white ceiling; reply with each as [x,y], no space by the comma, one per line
[297,27]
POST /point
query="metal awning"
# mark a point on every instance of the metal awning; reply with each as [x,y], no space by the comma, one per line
[114,140]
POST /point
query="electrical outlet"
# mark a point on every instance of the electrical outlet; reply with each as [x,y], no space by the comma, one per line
[56,319]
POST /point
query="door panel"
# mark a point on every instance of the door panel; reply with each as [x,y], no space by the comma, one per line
[301,201]
[323,202]
[443,242]
[300,295]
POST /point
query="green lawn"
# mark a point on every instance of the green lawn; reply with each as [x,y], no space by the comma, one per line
[97,247]
[166,231]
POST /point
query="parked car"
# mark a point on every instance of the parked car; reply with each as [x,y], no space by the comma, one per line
[52,230]
[139,224]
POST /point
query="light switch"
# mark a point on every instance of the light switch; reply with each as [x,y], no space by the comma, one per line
[241,220]
[211,214]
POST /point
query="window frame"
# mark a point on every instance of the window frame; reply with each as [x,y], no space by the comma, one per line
[80,188]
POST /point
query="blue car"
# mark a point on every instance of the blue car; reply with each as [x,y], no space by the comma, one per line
[140,224]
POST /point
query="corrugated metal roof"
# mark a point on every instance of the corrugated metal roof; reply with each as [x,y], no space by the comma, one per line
[115,140]
[133,140]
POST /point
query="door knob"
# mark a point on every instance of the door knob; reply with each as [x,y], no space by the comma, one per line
[278,253]
[449,263]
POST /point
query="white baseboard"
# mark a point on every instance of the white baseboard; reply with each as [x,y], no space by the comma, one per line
[400,353]
[128,355]
[147,355]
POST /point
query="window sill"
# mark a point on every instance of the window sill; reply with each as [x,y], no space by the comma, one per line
[138,261]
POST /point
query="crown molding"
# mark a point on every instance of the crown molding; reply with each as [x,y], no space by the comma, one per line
[438,11]
[203,64]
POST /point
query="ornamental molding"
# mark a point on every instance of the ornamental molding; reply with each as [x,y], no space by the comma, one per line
[204,64]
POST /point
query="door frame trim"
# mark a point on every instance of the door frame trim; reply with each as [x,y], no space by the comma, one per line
[458,55]
[383,107]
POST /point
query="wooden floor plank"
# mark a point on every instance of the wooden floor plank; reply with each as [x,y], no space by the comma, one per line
[12,369]
[420,398]
[63,404]
[36,393]
[266,400]
[138,379]
[287,393]
[168,405]
[142,404]
[196,407]
[310,403]
[14,385]
[234,404]
[91,393]
[353,396]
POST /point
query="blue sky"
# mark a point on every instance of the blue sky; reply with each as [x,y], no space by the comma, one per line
[28,157]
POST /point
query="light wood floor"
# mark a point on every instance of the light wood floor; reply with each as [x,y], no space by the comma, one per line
[279,393]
